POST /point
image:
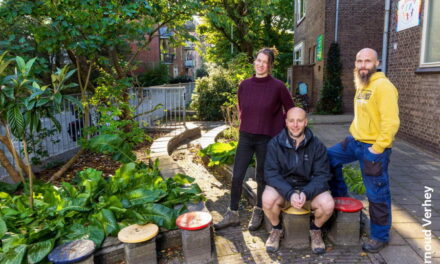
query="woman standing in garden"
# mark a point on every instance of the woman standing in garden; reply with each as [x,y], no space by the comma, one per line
[262,102]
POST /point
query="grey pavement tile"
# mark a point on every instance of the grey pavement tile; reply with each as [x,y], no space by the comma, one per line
[414,187]
[418,210]
[231,259]
[396,239]
[435,261]
[409,230]
[224,246]
[402,216]
[436,234]
[422,246]
[398,190]
[400,255]
[403,179]
[397,207]
[435,184]
[404,199]
[434,225]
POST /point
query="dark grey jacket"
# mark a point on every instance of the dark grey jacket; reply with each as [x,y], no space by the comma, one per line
[305,168]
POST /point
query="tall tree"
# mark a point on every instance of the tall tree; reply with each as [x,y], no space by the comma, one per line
[247,25]
[93,35]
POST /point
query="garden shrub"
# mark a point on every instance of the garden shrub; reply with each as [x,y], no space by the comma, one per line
[211,92]
[156,76]
[92,208]
[111,133]
[181,79]
[331,96]
[220,87]
[201,72]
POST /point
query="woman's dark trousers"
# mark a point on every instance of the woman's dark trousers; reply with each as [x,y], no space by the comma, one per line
[248,145]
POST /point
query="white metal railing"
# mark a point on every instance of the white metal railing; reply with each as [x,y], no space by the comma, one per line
[169,102]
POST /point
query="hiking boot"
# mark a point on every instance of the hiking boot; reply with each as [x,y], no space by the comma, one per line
[273,242]
[373,246]
[317,244]
[256,219]
[231,218]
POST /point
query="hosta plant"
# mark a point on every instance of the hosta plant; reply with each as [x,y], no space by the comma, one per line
[90,207]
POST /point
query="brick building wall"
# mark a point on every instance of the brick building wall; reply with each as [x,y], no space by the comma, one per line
[147,58]
[419,93]
[307,31]
[304,73]
[360,25]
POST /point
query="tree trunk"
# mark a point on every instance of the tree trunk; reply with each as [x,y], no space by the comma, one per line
[31,175]
[66,166]
[14,153]
[4,161]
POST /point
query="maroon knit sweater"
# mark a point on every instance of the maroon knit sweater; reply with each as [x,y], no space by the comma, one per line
[262,103]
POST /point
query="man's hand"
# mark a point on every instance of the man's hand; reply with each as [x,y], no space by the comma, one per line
[372,151]
[297,200]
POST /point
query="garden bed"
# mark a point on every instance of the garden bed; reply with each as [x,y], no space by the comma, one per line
[111,250]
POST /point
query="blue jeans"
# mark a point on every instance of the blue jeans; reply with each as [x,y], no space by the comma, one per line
[374,168]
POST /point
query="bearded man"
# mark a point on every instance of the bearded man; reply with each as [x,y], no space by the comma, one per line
[376,122]
[297,174]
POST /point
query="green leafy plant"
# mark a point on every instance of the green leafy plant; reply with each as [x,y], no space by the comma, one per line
[353,179]
[36,144]
[219,88]
[91,207]
[23,103]
[331,95]
[156,76]
[181,79]
[211,92]
[116,135]
[220,153]
[201,72]
[244,26]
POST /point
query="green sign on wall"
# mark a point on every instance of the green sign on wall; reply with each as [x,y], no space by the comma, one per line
[319,48]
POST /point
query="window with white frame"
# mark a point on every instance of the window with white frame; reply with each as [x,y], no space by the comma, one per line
[300,10]
[430,50]
[298,54]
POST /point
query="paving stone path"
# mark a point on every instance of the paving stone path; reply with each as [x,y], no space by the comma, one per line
[237,244]
[411,171]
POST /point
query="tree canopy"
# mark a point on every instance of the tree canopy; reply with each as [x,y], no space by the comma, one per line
[247,25]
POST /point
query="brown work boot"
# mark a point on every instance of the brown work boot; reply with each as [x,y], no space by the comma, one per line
[273,242]
[231,218]
[373,246]
[317,244]
[256,219]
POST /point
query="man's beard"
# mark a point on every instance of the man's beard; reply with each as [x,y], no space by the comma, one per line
[363,79]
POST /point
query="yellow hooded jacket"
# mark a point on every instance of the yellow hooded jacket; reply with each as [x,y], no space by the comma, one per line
[376,113]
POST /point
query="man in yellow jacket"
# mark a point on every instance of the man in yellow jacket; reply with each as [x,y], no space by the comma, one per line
[375,123]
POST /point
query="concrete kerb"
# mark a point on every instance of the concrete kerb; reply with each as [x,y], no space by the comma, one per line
[163,147]
[112,250]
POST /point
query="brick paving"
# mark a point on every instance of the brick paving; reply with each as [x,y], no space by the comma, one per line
[411,169]
[237,244]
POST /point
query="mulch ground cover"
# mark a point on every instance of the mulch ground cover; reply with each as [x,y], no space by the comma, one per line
[97,161]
